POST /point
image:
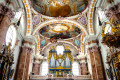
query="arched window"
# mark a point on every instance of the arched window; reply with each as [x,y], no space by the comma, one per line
[11,36]
[17,16]
[75,68]
[44,69]
[60,49]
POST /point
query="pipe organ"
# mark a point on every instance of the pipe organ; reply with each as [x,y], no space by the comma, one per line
[60,65]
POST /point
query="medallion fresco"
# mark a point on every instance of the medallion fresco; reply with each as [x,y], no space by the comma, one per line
[36,19]
[60,31]
[83,20]
[77,42]
[56,8]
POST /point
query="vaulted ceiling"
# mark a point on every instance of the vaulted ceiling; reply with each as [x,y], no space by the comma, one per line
[56,8]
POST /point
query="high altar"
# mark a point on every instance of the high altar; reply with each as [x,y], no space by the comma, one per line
[60,65]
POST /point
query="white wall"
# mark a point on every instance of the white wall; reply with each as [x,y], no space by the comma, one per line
[16,54]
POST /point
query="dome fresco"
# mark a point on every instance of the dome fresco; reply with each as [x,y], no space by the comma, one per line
[60,31]
[56,8]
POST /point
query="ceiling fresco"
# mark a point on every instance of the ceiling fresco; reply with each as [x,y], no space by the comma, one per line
[60,31]
[56,8]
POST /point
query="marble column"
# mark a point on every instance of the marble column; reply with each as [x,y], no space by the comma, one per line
[24,62]
[36,65]
[4,25]
[84,69]
[83,66]
[36,68]
[95,60]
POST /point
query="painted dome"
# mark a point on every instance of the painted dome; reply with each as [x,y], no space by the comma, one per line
[60,31]
[56,8]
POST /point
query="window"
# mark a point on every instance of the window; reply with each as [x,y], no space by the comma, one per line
[44,69]
[17,16]
[11,36]
[101,14]
[60,50]
[75,68]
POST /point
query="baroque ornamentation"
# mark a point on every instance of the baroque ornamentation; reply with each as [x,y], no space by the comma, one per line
[82,20]
[60,30]
[93,49]
[36,19]
[56,8]
[60,64]
[112,38]
[6,61]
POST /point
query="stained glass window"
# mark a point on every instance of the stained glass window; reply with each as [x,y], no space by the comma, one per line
[60,49]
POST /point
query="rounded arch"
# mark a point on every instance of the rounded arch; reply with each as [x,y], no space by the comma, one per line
[29,17]
[90,17]
[73,48]
[60,21]
[60,49]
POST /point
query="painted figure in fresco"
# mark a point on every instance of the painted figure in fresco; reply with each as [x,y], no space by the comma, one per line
[58,8]
[60,31]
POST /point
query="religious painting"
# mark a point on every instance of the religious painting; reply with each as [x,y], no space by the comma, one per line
[56,8]
[60,31]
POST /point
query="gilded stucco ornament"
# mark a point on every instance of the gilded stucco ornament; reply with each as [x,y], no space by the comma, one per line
[56,8]
[112,38]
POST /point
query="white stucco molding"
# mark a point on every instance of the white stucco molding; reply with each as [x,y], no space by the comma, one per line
[64,20]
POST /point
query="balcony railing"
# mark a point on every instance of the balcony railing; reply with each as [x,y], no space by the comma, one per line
[81,77]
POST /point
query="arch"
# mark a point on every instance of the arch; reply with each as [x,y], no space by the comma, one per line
[65,43]
[60,21]
[29,17]
[60,49]
[90,17]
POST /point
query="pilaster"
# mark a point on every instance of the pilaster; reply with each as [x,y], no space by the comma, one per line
[4,25]
[36,66]
[95,58]
[83,66]
[24,63]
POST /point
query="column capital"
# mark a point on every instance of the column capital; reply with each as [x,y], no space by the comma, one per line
[28,43]
[27,49]
[92,49]
[83,60]
[91,41]
[90,38]
[37,58]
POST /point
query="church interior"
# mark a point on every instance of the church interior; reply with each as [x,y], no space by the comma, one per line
[59,39]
